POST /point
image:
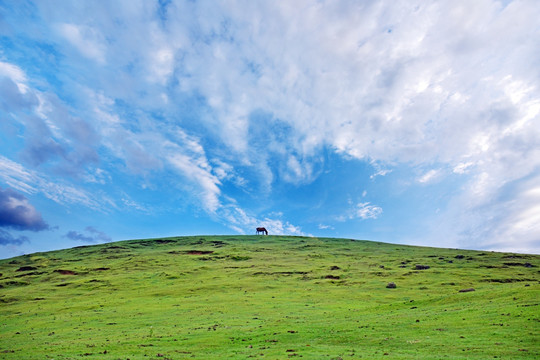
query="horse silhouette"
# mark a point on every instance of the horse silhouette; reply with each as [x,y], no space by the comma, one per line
[261,230]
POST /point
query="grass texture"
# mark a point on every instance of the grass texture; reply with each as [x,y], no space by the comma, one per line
[268,297]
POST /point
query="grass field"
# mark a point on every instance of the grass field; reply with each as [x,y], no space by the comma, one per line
[268,297]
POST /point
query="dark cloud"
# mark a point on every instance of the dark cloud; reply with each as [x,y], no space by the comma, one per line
[16,212]
[7,239]
[93,236]
[73,235]
[98,235]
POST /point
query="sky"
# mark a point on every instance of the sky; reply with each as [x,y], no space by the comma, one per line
[409,122]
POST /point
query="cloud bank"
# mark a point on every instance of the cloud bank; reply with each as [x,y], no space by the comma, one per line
[17,213]
[227,105]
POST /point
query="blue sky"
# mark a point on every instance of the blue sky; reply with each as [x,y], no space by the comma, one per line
[412,122]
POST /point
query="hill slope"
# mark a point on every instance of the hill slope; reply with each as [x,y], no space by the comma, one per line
[276,297]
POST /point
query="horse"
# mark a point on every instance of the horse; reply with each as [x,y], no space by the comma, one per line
[261,230]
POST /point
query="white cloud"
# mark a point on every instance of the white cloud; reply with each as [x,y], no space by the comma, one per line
[17,177]
[158,150]
[430,176]
[431,86]
[208,183]
[239,220]
[87,40]
[361,210]
[451,83]
[162,65]
[463,167]
[367,211]
[155,149]
[130,203]
[16,74]
[380,172]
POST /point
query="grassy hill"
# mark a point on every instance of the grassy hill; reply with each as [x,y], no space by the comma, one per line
[268,297]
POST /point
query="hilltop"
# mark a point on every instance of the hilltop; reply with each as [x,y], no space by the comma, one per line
[274,297]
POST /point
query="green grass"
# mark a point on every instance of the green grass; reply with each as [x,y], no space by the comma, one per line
[269,297]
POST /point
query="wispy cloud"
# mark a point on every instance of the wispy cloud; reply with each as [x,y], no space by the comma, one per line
[367,211]
[92,235]
[430,176]
[31,182]
[361,210]
[16,74]
[7,239]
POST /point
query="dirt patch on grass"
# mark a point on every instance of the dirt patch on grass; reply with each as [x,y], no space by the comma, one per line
[65,272]
[152,242]
[508,280]
[164,241]
[30,274]
[217,243]
[333,277]
[197,242]
[515,256]
[191,252]
[199,252]
[239,257]
[527,264]
[26,268]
